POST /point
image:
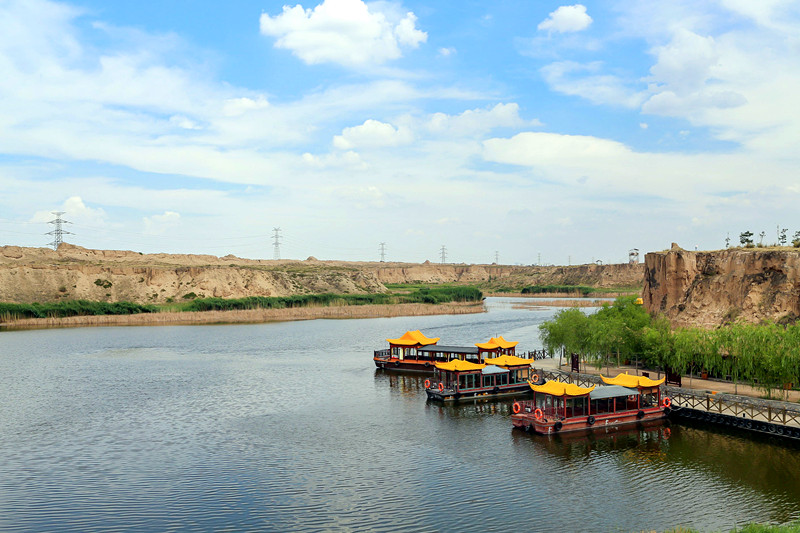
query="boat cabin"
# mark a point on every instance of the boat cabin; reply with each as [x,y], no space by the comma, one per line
[458,379]
[415,351]
[495,347]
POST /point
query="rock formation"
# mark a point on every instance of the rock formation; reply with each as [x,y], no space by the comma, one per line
[708,289]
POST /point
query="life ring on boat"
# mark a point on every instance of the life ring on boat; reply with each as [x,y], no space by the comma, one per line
[590,420]
[516,407]
[557,426]
[666,402]
[535,378]
[538,414]
[640,415]
[441,386]
[427,384]
[427,364]
[397,363]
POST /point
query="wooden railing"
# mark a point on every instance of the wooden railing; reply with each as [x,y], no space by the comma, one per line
[774,412]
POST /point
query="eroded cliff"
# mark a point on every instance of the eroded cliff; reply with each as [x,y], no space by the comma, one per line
[708,289]
[43,275]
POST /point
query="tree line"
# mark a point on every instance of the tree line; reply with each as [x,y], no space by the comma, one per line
[766,355]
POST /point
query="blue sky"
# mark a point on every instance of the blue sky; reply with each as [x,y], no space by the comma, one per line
[537,131]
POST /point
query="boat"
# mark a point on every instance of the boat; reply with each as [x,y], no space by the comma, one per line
[559,407]
[496,377]
[415,352]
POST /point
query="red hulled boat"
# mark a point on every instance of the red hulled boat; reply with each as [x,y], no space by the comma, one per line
[564,407]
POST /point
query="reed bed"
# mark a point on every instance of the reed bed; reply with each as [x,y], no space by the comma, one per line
[248,315]
[560,303]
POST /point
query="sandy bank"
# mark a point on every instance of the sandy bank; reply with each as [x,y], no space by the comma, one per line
[247,316]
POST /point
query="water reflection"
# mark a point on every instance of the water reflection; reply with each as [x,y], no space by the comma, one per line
[290,427]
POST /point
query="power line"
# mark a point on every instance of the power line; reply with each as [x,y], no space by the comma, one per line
[276,243]
[383,252]
[58,232]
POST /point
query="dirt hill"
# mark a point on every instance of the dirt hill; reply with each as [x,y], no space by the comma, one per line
[41,274]
[710,288]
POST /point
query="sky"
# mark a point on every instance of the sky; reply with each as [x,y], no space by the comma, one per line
[523,132]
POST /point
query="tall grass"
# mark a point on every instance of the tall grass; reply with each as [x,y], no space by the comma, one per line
[423,295]
[72,308]
[547,289]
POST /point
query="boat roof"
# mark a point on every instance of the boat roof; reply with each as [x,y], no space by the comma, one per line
[411,338]
[492,369]
[558,388]
[611,391]
[457,365]
[496,342]
[508,360]
[449,349]
[627,380]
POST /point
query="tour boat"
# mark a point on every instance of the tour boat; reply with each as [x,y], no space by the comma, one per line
[506,375]
[564,407]
[416,352]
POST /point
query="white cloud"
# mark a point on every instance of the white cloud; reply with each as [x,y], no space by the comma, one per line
[569,77]
[158,224]
[477,121]
[371,134]
[75,211]
[446,52]
[566,19]
[346,32]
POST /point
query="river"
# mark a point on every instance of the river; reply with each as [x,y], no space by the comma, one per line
[290,427]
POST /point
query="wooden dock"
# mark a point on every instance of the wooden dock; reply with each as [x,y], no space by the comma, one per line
[768,417]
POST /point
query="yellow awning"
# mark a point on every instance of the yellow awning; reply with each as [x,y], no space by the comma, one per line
[626,380]
[557,388]
[508,360]
[496,342]
[457,365]
[412,338]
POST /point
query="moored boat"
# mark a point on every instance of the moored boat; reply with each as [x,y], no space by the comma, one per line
[413,351]
[506,375]
[564,407]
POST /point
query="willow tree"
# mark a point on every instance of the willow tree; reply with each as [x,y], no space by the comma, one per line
[568,331]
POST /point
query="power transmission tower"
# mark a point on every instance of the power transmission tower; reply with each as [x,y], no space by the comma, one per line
[58,232]
[383,252]
[496,257]
[276,243]
[444,254]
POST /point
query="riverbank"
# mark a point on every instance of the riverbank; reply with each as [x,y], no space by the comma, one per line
[247,316]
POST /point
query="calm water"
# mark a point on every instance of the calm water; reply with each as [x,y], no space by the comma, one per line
[289,427]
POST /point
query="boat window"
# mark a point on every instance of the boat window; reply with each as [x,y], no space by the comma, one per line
[604,405]
[395,351]
[649,399]
[487,381]
[502,379]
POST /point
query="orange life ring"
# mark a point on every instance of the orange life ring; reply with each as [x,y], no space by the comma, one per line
[441,386]
[516,407]
[538,414]
[666,402]
[427,384]
[535,378]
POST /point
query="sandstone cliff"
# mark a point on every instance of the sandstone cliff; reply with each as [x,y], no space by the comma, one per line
[708,289]
[72,272]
